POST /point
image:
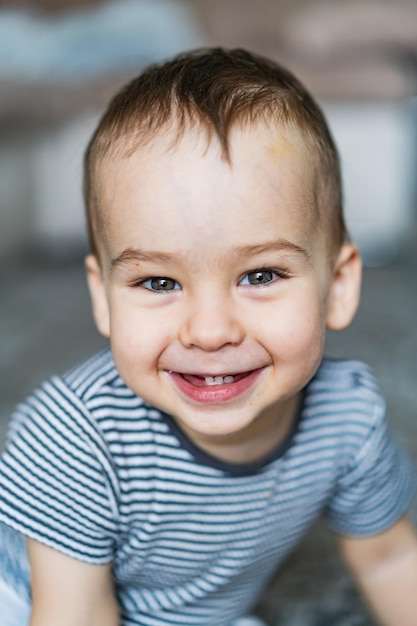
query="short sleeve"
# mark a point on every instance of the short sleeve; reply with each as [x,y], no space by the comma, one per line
[57,484]
[377,485]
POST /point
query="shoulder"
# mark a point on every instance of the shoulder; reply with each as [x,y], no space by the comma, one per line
[58,479]
[77,401]
[345,375]
[344,408]
[92,376]
[345,386]
[373,479]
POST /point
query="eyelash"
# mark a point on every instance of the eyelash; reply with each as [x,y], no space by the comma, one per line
[142,283]
[275,275]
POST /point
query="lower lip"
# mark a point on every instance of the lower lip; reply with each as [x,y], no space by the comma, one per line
[212,394]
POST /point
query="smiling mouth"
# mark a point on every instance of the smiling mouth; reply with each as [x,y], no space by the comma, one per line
[211,381]
[217,389]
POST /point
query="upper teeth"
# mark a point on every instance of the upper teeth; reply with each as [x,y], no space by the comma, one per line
[218,380]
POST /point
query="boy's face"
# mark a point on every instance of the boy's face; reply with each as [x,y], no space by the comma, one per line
[215,284]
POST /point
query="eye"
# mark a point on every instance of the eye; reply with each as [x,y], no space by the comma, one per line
[260,277]
[160,283]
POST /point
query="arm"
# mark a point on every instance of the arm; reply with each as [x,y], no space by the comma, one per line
[69,592]
[385,568]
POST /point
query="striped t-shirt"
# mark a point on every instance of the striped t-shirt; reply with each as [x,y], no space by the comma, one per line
[96,473]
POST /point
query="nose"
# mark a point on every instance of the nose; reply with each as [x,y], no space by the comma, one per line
[210,323]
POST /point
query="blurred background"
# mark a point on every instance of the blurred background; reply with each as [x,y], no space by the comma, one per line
[60,62]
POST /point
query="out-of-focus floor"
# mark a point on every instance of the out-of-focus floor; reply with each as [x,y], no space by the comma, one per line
[46,327]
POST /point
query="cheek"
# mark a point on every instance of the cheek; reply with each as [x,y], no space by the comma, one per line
[137,339]
[294,329]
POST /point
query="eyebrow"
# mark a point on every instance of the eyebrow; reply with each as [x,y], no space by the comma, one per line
[141,256]
[277,245]
[154,256]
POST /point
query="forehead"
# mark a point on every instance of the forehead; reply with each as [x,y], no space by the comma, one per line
[189,181]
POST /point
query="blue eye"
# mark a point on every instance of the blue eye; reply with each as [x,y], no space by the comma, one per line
[160,283]
[259,277]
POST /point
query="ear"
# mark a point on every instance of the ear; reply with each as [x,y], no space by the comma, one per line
[98,295]
[345,288]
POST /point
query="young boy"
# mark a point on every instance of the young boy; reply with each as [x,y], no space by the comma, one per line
[165,481]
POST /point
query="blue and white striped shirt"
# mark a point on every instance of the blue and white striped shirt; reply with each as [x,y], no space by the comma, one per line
[94,472]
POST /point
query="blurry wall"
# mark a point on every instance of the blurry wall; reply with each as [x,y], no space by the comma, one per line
[61,61]
[359,59]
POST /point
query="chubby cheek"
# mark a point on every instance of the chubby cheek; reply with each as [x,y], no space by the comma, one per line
[296,334]
[137,341]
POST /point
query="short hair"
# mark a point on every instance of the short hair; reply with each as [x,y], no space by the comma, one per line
[217,89]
